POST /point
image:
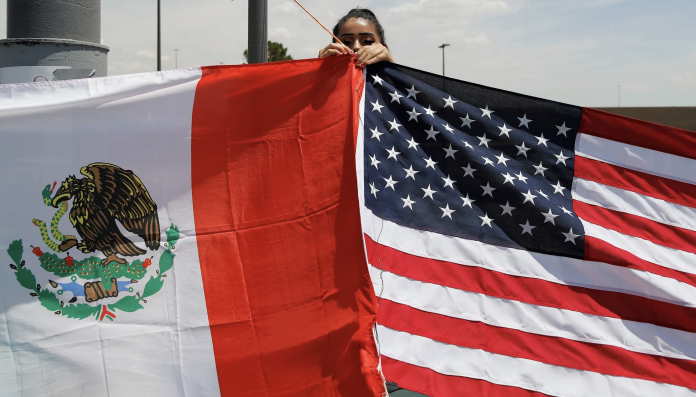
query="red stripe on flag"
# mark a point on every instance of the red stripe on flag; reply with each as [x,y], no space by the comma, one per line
[638,133]
[429,382]
[658,233]
[597,250]
[608,360]
[635,181]
[275,200]
[530,290]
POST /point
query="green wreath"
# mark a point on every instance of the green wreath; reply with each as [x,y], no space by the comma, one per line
[90,268]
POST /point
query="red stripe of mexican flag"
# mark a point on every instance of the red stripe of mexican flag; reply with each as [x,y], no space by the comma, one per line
[289,299]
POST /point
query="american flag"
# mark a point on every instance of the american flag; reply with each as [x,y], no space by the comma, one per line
[524,247]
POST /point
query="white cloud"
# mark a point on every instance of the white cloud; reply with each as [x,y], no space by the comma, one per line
[146,54]
[279,33]
[286,8]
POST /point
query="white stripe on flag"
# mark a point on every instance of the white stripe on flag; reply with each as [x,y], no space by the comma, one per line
[515,262]
[633,203]
[636,158]
[518,372]
[644,249]
[534,319]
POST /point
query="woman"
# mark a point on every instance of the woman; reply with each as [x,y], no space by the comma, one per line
[363,37]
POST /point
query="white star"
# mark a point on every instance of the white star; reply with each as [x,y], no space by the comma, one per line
[412,92]
[486,112]
[488,161]
[561,158]
[468,170]
[394,125]
[543,194]
[450,152]
[395,97]
[502,159]
[448,128]
[390,182]
[468,145]
[467,201]
[411,173]
[376,134]
[392,153]
[450,102]
[521,177]
[562,130]
[430,163]
[376,106]
[522,150]
[448,182]
[557,188]
[408,202]
[507,209]
[373,189]
[527,228]
[488,190]
[504,131]
[377,80]
[431,133]
[428,192]
[548,217]
[539,169]
[528,196]
[413,144]
[570,236]
[447,212]
[509,178]
[413,115]
[486,220]
[466,121]
[483,140]
[374,161]
[524,121]
[542,140]
[429,111]
[566,211]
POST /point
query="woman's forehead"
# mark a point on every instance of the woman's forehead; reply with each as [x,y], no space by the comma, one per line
[355,26]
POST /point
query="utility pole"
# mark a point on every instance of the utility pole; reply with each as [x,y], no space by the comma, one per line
[159,38]
[176,58]
[619,86]
[51,40]
[258,31]
[443,57]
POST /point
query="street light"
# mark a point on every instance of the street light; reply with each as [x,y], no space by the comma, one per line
[159,39]
[176,58]
[443,57]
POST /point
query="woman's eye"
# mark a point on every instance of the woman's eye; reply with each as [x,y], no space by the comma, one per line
[347,42]
[368,42]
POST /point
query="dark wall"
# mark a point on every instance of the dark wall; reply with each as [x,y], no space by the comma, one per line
[680,117]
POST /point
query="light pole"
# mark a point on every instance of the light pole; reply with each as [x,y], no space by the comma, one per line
[443,57]
[176,58]
[619,86]
[159,39]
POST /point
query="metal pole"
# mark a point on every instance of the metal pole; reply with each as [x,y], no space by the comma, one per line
[159,38]
[619,95]
[176,58]
[258,31]
[443,57]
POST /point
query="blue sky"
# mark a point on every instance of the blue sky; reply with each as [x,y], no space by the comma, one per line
[575,51]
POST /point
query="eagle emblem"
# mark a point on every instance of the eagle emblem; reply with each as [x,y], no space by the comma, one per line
[109,194]
[108,209]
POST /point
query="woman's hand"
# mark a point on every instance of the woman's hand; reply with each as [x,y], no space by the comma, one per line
[371,54]
[334,49]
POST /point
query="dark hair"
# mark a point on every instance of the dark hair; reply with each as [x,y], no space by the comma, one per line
[365,14]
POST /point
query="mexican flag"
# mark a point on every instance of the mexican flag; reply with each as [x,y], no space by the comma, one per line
[186,233]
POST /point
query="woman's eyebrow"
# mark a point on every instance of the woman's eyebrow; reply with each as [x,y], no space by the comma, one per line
[358,34]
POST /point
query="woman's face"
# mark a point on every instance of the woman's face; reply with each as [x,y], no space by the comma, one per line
[357,33]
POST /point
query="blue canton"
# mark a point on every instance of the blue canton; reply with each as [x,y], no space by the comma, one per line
[470,161]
